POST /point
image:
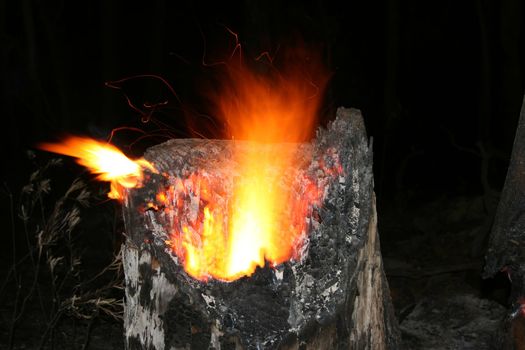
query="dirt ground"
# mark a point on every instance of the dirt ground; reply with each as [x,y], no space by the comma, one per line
[434,254]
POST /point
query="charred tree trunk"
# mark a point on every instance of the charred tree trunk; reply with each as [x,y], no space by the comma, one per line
[334,295]
[506,252]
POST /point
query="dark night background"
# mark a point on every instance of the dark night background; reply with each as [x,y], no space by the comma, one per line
[439,83]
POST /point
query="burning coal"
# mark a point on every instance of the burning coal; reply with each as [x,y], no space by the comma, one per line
[230,241]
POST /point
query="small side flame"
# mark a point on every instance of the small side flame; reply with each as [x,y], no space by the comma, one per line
[105,160]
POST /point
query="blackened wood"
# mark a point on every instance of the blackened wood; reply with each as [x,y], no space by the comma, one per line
[507,241]
[335,296]
[506,249]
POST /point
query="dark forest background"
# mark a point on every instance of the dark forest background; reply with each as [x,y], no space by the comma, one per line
[439,83]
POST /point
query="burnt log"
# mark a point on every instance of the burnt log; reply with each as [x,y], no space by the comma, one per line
[506,249]
[332,294]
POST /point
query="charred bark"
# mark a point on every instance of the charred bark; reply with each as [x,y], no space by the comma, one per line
[335,296]
[506,250]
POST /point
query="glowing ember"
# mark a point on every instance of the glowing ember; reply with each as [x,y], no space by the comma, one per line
[521,306]
[103,159]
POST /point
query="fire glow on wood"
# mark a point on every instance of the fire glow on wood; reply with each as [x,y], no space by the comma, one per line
[229,241]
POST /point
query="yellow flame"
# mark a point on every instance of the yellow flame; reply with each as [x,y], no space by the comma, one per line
[103,159]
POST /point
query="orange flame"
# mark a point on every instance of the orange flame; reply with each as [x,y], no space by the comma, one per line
[105,160]
[272,105]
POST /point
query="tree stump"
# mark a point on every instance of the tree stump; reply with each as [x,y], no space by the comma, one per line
[506,250]
[333,294]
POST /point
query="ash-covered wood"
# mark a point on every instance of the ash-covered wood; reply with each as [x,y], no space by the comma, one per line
[506,250]
[333,295]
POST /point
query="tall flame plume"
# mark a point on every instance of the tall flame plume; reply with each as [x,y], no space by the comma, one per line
[274,107]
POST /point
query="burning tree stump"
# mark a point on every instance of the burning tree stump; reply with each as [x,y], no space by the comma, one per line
[331,294]
[506,250]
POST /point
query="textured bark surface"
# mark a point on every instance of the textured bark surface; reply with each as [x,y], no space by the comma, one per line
[506,250]
[334,296]
[371,312]
[507,242]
